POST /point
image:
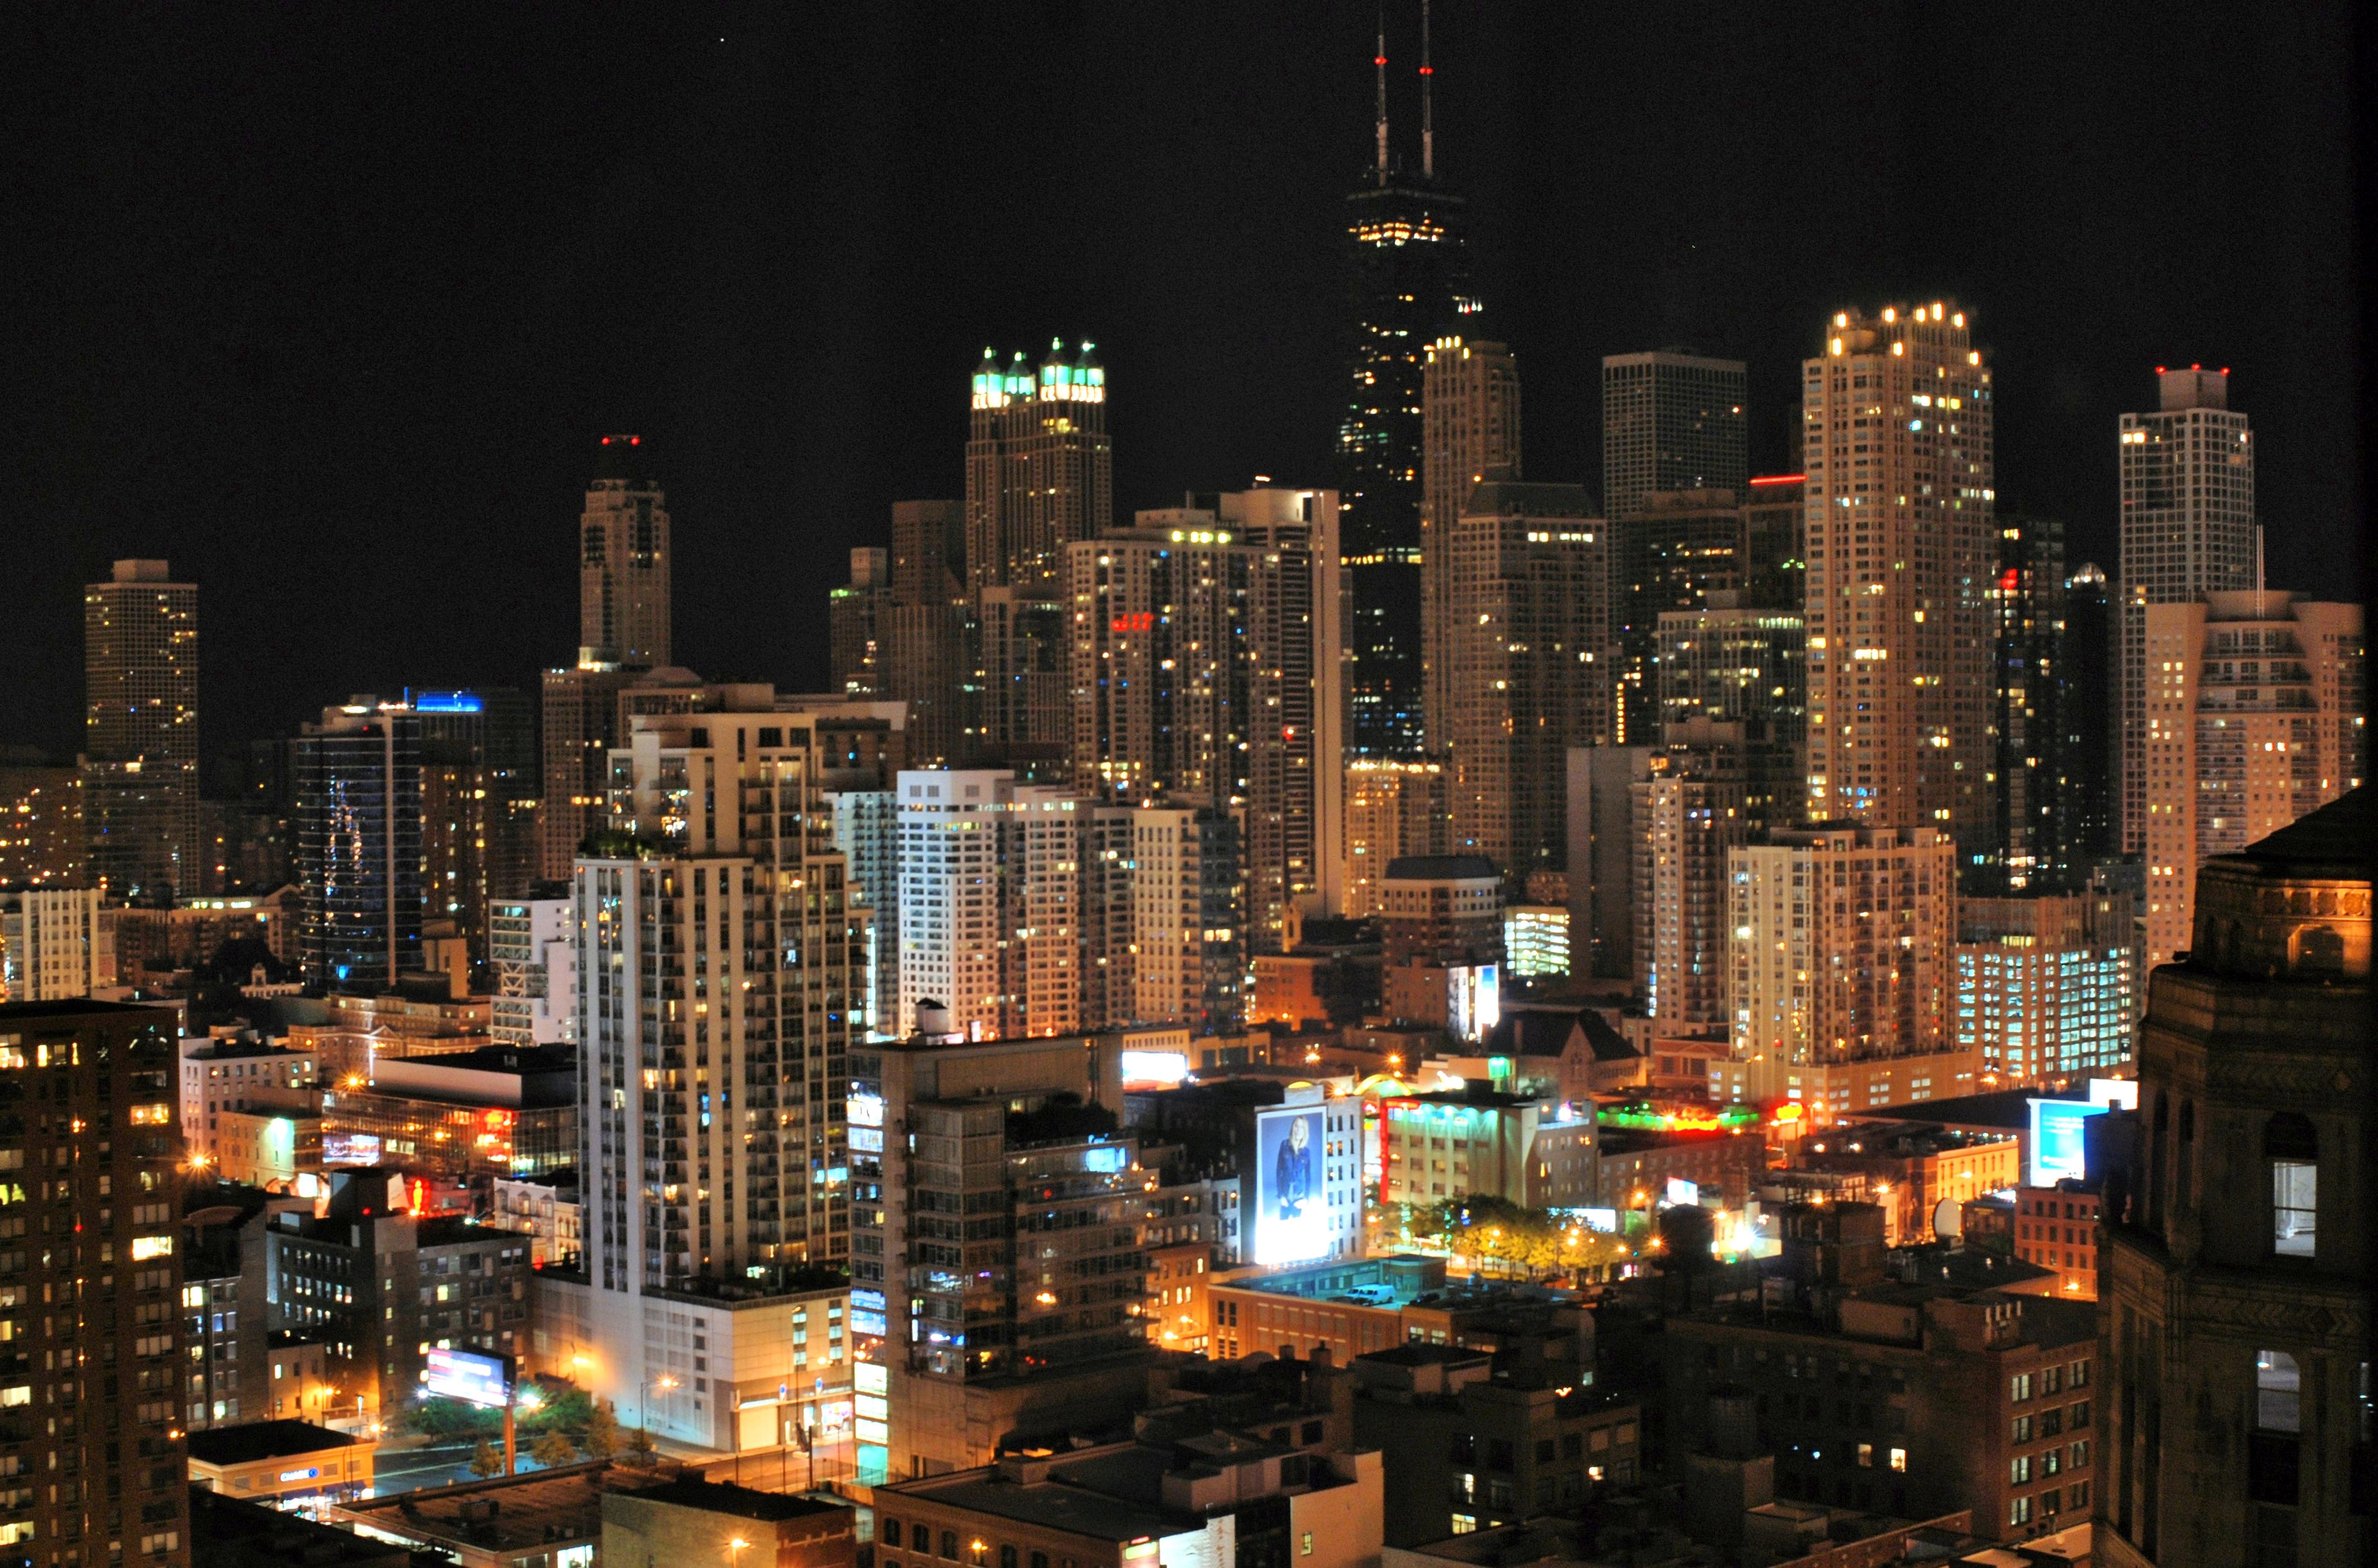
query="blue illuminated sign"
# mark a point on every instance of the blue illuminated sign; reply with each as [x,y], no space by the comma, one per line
[2056,1153]
[446,702]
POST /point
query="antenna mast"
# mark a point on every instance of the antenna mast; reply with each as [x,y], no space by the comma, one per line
[1379,62]
[1427,131]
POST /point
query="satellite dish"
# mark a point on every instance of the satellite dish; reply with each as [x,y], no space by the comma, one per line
[1948,1220]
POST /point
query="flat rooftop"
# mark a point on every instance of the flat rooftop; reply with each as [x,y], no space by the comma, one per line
[742,1502]
[263,1440]
[546,1508]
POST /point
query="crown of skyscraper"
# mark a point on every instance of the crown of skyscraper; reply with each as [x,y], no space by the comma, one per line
[1077,377]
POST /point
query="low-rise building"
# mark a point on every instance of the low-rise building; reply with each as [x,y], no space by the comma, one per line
[1355,1307]
[500,1111]
[1464,1449]
[226,1316]
[268,1147]
[1637,1163]
[263,1460]
[221,1072]
[1917,1166]
[228,1532]
[1218,1496]
[1454,1144]
[2056,1228]
[688,1521]
[545,1519]
[548,1209]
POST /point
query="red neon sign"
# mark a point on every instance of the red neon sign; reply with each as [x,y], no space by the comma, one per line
[1138,620]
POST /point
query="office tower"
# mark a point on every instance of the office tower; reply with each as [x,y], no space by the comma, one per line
[927,663]
[42,840]
[1409,269]
[1900,497]
[1204,671]
[1689,815]
[1841,969]
[867,830]
[1393,810]
[1528,666]
[54,944]
[477,754]
[1040,468]
[2045,991]
[1470,432]
[623,563]
[1745,672]
[2235,1288]
[1600,791]
[855,624]
[1679,548]
[359,864]
[2188,530]
[1671,421]
[93,1308]
[581,723]
[2026,600]
[980,1332]
[532,948]
[141,732]
[1775,529]
[1017,707]
[2088,722]
[2252,718]
[720,963]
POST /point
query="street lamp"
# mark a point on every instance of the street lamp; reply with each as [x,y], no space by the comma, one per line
[735,1550]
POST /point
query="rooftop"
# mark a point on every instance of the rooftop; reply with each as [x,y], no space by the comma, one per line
[546,1508]
[1078,1495]
[743,1502]
[2009,1108]
[231,1532]
[2339,834]
[263,1440]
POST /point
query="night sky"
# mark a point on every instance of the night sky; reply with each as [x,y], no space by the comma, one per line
[328,305]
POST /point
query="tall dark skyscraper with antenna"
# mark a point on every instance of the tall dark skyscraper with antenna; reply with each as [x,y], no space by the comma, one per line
[1410,284]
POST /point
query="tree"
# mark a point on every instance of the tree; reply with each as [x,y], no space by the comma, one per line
[641,1448]
[486,1461]
[552,1449]
[601,1437]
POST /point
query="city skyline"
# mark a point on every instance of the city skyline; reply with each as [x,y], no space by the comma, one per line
[315,483]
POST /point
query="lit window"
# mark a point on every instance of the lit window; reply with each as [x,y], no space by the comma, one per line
[2278,1393]
[2293,1150]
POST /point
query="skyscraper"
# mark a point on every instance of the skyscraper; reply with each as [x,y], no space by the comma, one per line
[141,732]
[721,970]
[2027,695]
[2087,792]
[2188,530]
[1410,276]
[2253,718]
[42,835]
[925,661]
[623,564]
[1900,496]
[1678,548]
[2235,1292]
[1470,424]
[1671,421]
[103,1372]
[358,860]
[855,624]
[1530,661]
[1743,672]
[1393,810]
[1688,816]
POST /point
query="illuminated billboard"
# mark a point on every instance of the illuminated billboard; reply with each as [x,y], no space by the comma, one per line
[460,1374]
[1290,1214]
[1154,1070]
[2056,1140]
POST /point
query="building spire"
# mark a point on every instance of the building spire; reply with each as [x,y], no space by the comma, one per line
[1427,129]
[1379,62]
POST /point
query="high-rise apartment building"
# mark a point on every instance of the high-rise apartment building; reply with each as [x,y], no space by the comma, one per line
[2187,473]
[92,1307]
[2045,988]
[1600,836]
[721,966]
[2027,698]
[2234,1288]
[995,1237]
[2086,790]
[54,944]
[1205,670]
[2252,718]
[1841,973]
[1409,267]
[479,827]
[867,830]
[581,725]
[1393,810]
[42,834]
[1680,547]
[1671,421]
[926,662]
[855,624]
[359,860]
[533,949]
[1743,671]
[1469,432]
[141,732]
[1528,666]
[1689,816]
[1775,530]
[1900,495]
[623,563]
